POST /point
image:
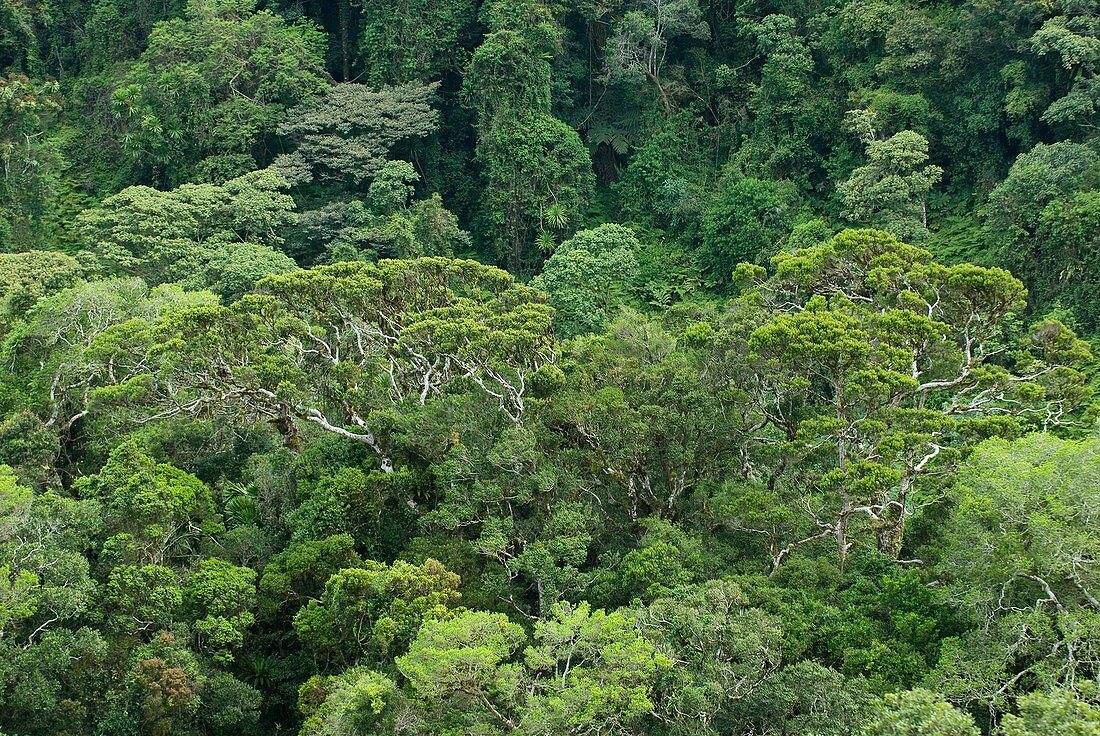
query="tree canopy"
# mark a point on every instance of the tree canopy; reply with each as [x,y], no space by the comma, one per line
[536,368]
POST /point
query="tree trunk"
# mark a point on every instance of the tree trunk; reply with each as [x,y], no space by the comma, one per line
[842,531]
[345,36]
[845,496]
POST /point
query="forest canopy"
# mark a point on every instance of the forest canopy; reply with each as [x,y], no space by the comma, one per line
[486,367]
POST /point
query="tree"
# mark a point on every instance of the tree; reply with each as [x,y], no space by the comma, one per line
[538,173]
[1056,713]
[587,276]
[50,355]
[233,269]
[156,513]
[586,671]
[510,72]
[30,161]
[665,560]
[1020,550]
[723,649]
[789,114]
[591,671]
[552,560]
[46,581]
[805,698]
[638,47]
[387,223]
[1072,37]
[346,134]
[1037,178]
[19,47]
[338,346]
[299,572]
[538,176]
[229,706]
[1065,268]
[44,680]
[514,502]
[165,684]
[356,196]
[220,597]
[460,669]
[216,82]
[177,235]
[412,41]
[141,600]
[658,410]
[26,277]
[745,223]
[891,190]
[118,30]
[356,701]
[872,355]
[375,610]
[918,713]
[1039,223]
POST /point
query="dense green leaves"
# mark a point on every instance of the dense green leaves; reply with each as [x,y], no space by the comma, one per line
[919,712]
[346,133]
[183,234]
[586,275]
[1033,582]
[375,610]
[879,363]
[29,156]
[217,82]
[281,452]
[891,191]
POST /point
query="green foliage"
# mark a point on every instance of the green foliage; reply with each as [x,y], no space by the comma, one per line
[918,712]
[277,456]
[375,610]
[586,670]
[345,134]
[1033,581]
[589,669]
[218,81]
[143,600]
[51,364]
[367,338]
[1041,222]
[30,160]
[722,648]
[232,269]
[221,597]
[806,698]
[904,335]
[46,581]
[665,560]
[1072,38]
[27,277]
[587,277]
[459,668]
[745,223]
[538,175]
[179,234]
[1057,713]
[891,191]
[538,178]
[155,511]
[638,47]
[357,701]
[412,41]
[301,570]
